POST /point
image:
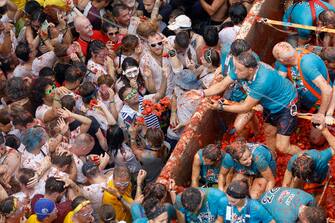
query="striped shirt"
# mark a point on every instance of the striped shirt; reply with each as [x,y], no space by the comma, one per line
[128,115]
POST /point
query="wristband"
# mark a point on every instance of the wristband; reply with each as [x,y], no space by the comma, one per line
[119,198]
[221,108]
[172,53]
[112,102]
[202,93]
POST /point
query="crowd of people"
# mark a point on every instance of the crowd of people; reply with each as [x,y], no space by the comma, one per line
[95,95]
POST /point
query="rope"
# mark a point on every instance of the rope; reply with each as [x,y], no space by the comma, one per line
[271,22]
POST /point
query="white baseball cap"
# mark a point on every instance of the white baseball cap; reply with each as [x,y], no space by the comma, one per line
[181,21]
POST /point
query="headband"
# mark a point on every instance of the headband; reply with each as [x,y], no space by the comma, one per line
[81,206]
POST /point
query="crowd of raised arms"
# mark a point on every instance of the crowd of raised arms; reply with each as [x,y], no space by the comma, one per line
[95,95]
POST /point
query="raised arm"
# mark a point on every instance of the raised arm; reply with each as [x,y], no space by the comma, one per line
[196,171]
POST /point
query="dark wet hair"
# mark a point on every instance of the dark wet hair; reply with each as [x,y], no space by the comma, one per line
[211,36]
[87,91]
[191,199]
[315,214]
[327,18]
[25,174]
[214,56]
[16,89]
[239,46]
[153,208]
[22,51]
[212,152]
[156,190]
[77,201]
[38,15]
[238,189]
[38,90]
[303,167]
[94,47]
[54,186]
[129,43]
[247,59]
[68,102]
[61,159]
[117,8]
[236,149]
[182,39]
[32,7]
[90,170]
[115,139]
[237,12]
[46,72]
[7,205]
[12,141]
[72,74]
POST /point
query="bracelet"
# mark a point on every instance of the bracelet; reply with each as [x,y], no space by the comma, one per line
[112,102]
[202,93]
[221,107]
[172,191]
[172,53]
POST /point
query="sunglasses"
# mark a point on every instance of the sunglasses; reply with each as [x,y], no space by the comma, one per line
[122,184]
[113,33]
[48,92]
[208,55]
[131,94]
[156,44]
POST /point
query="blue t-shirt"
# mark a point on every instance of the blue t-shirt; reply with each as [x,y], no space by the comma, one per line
[301,13]
[321,160]
[209,209]
[236,91]
[312,66]
[283,203]
[261,160]
[273,91]
[138,213]
[209,174]
[252,212]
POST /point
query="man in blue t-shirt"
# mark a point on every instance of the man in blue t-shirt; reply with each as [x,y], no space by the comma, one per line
[238,208]
[198,205]
[310,166]
[301,13]
[154,212]
[233,88]
[309,74]
[276,94]
[288,205]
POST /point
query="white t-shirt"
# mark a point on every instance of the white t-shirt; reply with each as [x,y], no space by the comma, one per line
[41,110]
[94,193]
[22,71]
[187,103]
[45,60]
[95,71]
[206,79]
[32,161]
[228,35]
[156,70]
